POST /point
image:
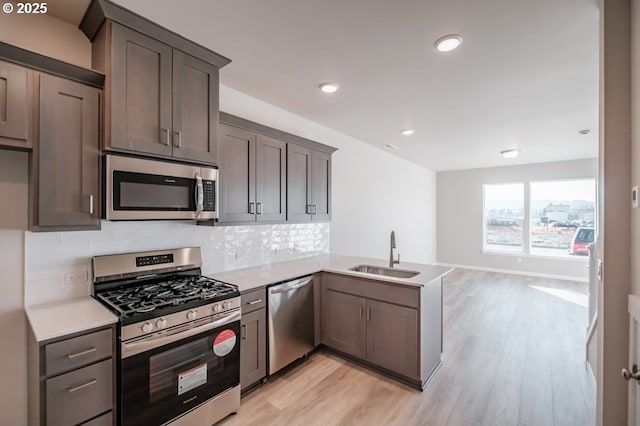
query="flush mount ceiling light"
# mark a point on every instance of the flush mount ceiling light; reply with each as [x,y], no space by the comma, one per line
[407,132]
[584,131]
[448,43]
[391,146]
[510,153]
[329,87]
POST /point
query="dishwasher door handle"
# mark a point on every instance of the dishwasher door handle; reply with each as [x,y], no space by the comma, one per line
[290,287]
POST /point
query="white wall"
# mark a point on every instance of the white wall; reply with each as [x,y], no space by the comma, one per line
[460,218]
[374,192]
[13,222]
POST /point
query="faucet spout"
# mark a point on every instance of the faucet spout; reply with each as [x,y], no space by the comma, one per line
[392,261]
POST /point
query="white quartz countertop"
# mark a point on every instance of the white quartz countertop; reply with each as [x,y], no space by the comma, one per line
[57,319]
[260,276]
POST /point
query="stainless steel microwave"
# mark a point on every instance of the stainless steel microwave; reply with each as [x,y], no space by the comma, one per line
[140,189]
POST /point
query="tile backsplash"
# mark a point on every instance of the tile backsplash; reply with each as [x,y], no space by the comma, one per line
[58,264]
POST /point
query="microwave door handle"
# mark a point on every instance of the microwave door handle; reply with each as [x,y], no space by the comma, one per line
[199,195]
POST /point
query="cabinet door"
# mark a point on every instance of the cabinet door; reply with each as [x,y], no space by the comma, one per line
[321,185]
[68,154]
[195,109]
[140,102]
[343,324]
[15,106]
[392,337]
[253,347]
[237,175]
[271,157]
[298,183]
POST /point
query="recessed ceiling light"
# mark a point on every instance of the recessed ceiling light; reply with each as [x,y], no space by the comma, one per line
[510,153]
[407,132]
[448,43]
[584,131]
[329,87]
[391,146]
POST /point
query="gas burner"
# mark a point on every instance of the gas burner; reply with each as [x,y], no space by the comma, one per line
[137,299]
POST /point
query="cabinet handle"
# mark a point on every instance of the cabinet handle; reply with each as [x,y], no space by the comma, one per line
[307,209]
[368,314]
[243,334]
[83,353]
[166,139]
[251,208]
[259,207]
[82,386]
[179,144]
[360,312]
[91,204]
[314,211]
[253,302]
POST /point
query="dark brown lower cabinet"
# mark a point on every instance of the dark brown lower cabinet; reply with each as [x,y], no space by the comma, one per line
[343,325]
[253,339]
[357,322]
[392,337]
[66,159]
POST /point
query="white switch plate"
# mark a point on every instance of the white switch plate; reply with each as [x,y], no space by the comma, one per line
[634,197]
[75,277]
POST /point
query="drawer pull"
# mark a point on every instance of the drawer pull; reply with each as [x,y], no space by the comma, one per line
[253,302]
[82,386]
[77,354]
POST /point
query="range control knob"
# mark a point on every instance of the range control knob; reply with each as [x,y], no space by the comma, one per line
[161,323]
[216,308]
[226,306]
[147,327]
[192,314]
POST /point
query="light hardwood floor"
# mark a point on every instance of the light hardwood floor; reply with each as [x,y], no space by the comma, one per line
[513,355]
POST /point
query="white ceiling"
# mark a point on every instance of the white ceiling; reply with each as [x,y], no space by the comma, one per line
[526,75]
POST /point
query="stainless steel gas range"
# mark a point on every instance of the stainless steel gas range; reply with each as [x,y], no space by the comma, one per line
[179,351]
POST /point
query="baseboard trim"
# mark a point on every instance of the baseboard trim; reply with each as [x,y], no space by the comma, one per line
[515,272]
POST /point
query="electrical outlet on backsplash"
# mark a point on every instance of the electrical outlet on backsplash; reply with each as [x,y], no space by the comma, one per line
[56,263]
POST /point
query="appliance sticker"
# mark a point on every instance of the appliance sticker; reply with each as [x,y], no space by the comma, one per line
[191,379]
[224,342]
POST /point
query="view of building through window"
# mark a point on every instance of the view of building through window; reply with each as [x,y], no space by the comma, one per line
[504,216]
[560,220]
[558,210]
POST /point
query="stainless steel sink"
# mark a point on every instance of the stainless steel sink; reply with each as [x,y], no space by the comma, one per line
[387,272]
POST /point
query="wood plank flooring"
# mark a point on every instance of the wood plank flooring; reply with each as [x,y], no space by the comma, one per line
[513,355]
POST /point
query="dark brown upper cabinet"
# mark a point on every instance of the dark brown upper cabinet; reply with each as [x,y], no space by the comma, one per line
[159,100]
[65,165]
[252,176]
[161,89]
[308,184]
[16,106]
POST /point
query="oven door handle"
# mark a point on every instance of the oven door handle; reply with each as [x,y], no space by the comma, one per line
[134,348]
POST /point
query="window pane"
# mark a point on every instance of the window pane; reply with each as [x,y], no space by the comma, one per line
[562,217]
[503,214]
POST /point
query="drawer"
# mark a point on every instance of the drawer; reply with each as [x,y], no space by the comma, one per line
[79,395]
[78,351]
[104,420]
[254,300]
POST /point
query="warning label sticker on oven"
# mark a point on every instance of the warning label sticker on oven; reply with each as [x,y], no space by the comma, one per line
[191,379]
[224,342]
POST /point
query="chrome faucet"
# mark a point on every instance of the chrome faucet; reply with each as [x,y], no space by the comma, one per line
[393,245]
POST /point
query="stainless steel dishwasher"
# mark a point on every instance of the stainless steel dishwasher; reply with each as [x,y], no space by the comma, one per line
[291,329]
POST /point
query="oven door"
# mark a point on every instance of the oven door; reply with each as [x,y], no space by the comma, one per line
[140,189]
[166,375]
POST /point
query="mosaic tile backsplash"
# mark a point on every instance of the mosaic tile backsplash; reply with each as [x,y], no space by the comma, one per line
[58,264]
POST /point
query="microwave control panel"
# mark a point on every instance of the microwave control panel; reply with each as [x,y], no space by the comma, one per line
[209,198]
